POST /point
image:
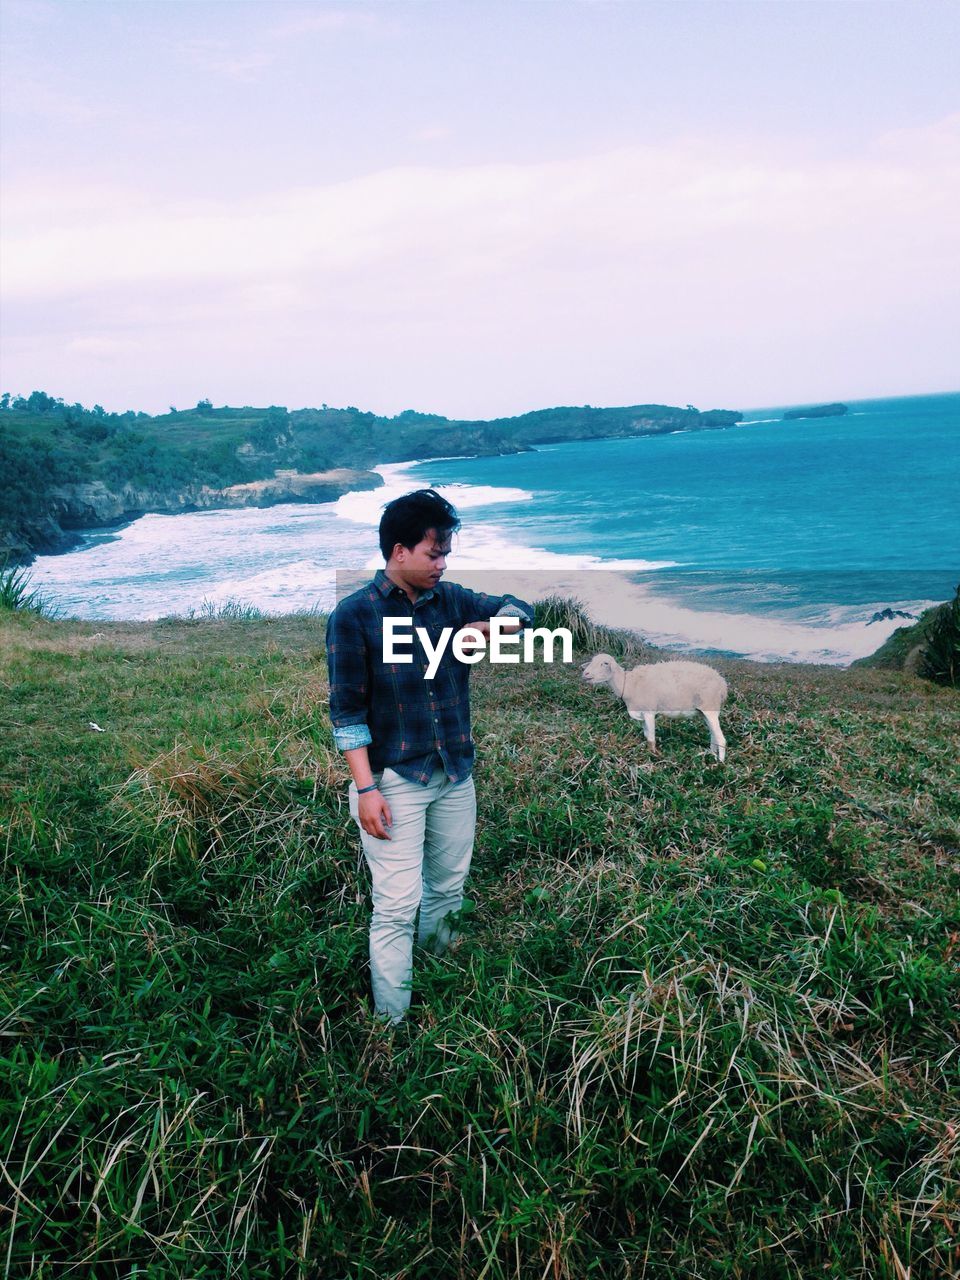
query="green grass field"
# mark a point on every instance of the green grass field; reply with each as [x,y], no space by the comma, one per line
[703,1020]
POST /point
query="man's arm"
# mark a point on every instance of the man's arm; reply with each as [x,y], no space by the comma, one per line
[349,693]
[372,808]
[479,608]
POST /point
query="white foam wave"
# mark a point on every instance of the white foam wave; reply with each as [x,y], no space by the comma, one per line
[278,559]
[365,507]
[289,588]
[481,547]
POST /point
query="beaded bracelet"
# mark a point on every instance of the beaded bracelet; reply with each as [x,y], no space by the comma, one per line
[362,791]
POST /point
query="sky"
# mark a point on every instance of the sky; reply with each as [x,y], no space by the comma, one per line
[479,208]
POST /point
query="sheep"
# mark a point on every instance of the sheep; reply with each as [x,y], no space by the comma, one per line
[665,688]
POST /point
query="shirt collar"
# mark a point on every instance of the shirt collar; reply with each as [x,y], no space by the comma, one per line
[388,588]
[383,583]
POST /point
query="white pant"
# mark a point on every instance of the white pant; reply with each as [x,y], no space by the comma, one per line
[424,864]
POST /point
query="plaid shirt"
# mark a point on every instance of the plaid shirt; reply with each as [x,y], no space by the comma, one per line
[410,724]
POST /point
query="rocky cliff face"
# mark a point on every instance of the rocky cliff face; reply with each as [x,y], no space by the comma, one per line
[94,505]
[290,486]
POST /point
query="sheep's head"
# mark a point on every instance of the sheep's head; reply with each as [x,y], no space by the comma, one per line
[599,669]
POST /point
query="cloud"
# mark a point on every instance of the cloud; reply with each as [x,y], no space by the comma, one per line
[432,133]
[102,347]
[633,265]
[934,143]
[326,22]
[221,58]
[631,210]
[48,202]
[32,96]
[246,59]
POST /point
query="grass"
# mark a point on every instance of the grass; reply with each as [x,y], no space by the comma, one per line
[239,610]
[587,635]
[16,594]
[702,1023]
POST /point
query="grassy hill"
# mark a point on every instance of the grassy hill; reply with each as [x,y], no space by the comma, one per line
[703,1020]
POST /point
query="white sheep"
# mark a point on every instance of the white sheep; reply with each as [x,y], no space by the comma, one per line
[667,689]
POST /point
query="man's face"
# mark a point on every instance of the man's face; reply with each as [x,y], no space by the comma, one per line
[421,567]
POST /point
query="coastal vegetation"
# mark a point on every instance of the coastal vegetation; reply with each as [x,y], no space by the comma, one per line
[930,647]
[67,468]
[702,1022]
[940,655]
[17,595]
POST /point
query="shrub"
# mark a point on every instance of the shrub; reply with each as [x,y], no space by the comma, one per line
[588,636]
[940,660]
[16,594]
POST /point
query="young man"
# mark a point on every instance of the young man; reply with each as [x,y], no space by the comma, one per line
[407,739]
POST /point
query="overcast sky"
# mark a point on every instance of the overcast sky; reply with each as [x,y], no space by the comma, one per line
[480,208]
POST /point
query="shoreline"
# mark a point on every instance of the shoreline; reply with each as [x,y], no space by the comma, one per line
[672,623]
[78,509]
[592,587]
[668,622]
[103,509]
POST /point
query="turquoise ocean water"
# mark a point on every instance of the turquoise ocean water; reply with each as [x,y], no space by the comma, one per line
[773,539]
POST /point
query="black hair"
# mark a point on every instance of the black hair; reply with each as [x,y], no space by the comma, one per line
[407,520]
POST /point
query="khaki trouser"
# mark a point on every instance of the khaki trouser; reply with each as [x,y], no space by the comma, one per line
[423,865]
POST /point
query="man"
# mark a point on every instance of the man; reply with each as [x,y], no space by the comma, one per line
[407,739]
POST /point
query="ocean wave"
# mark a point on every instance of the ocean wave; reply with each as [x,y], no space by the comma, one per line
[479,546]
[292,587]
[366,506]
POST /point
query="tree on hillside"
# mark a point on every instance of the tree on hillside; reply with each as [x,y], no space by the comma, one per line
[40,402]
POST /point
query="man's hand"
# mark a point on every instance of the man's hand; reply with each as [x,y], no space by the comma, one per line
[374,814]
[468,642]
[507,624]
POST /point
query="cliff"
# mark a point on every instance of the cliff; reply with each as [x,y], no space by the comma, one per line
[94,504]
[362,439]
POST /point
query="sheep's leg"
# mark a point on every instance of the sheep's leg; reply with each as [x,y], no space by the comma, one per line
[718,743]
[649,727]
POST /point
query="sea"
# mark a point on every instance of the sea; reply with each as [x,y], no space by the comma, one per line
[804,540]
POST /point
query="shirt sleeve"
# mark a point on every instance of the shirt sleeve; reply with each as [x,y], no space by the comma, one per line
[347,665]
[478,607]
